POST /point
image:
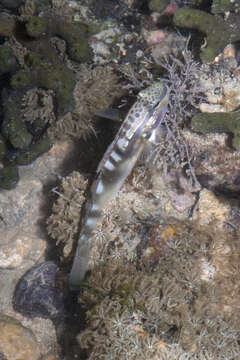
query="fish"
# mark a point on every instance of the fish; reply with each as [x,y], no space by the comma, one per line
[141,126]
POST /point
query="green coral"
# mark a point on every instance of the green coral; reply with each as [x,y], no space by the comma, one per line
[217,30]
[75,35]
[48,75]
[218,122]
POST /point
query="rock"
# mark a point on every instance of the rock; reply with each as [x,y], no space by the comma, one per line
[16,341]
[16,204]
[218,122]
[49,357]
[38,294]
[211,208]
[14,249]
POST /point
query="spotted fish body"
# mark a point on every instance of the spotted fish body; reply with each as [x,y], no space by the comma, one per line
[141,124]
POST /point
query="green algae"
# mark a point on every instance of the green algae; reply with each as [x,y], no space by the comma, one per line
[75,35]
[218,122]
[218,32]
[9,177]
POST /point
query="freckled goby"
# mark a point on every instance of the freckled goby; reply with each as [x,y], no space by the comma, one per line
[140,125]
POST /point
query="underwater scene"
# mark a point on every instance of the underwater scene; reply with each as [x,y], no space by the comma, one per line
[120,179]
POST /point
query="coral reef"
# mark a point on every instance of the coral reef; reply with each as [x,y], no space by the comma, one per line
[48,75]
[157,287]
[219,32]
[74,34]
[96,89]
[134,313]
[47,93]
[155,284]
[216,164]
